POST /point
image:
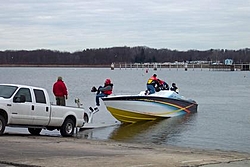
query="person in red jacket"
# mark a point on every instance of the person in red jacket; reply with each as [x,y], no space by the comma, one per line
[162,85]
[60,92]
[103,91]
[152,84]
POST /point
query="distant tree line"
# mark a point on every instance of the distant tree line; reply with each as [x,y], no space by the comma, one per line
[106,56]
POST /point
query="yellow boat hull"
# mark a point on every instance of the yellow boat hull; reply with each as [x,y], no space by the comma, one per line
[131,117]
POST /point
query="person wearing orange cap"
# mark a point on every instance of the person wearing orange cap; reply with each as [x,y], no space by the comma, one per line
[103,91]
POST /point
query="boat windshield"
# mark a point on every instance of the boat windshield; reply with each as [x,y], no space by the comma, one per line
[6,91]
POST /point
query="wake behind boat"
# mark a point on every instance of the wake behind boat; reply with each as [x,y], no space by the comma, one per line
[141,107]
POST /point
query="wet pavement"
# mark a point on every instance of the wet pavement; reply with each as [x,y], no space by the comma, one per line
[54,151]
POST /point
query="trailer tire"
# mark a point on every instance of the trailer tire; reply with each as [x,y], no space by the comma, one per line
[35,131]
[2,125]
[86,118]
[67,129]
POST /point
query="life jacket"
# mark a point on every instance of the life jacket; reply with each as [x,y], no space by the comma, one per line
[152,81]
[108,92]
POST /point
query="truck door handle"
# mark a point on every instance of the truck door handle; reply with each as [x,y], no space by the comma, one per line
[47,109]
[32,107]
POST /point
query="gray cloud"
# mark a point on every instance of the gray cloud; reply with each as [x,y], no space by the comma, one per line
[72,25]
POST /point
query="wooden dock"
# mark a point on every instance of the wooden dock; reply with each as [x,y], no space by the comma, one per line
[186,67]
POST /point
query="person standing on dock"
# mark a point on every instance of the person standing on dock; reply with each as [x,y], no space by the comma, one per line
[152,83]
[60,92]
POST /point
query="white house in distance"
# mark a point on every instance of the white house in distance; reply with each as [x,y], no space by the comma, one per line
[229,62]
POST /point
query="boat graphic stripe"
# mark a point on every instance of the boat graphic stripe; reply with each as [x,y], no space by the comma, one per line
[180,108]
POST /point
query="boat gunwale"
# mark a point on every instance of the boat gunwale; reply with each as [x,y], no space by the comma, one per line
[135,97]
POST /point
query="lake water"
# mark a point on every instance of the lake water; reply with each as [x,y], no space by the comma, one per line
[222,121]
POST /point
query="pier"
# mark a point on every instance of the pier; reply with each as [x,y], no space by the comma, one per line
[182,66]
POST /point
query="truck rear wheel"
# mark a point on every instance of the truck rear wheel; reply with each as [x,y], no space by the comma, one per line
[35,131]
[2,124]
[67,128]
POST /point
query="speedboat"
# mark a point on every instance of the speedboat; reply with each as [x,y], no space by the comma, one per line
[143,107]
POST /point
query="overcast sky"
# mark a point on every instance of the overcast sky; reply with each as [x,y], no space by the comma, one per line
[75,25]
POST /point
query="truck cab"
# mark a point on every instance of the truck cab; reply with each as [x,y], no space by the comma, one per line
[30,106]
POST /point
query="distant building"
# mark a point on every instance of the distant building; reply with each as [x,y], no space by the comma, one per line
[229,62]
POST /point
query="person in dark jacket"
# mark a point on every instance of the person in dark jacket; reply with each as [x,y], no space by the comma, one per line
[103,91]
[162,85]
[60,92]
[174,88]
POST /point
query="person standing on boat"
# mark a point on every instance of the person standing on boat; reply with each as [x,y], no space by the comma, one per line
[103,91]
[152,84]
[174,88]
[60,92]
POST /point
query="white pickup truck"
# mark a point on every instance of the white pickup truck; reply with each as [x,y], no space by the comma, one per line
[28,106]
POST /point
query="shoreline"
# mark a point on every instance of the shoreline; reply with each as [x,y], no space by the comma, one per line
[55,66]
[235,67]
[37,151]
